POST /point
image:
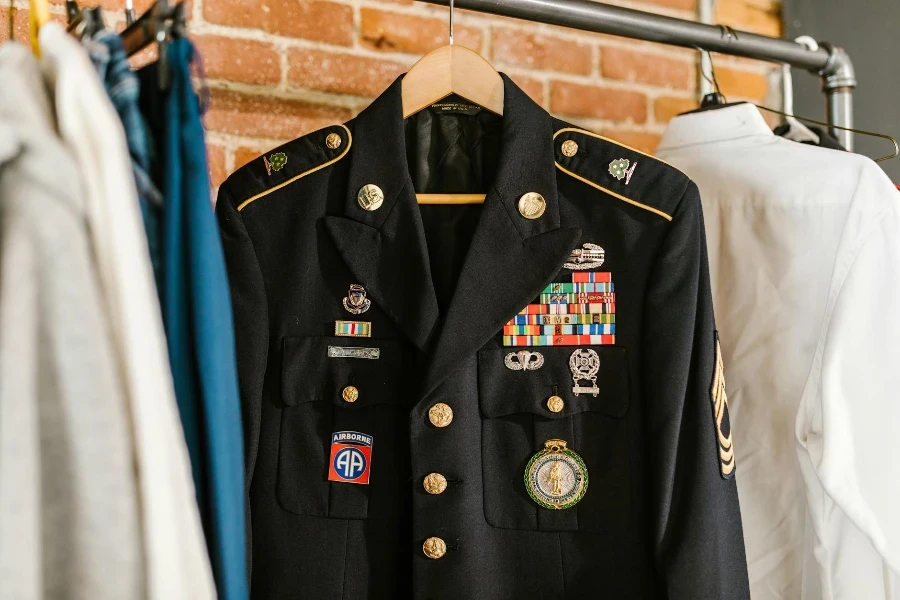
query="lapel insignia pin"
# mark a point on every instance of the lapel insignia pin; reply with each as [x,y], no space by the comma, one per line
[356,301]
[527,361]
[556,476]
[370,197]
[584,365]
[619,169]
[351,457]
[353,328]
[589,256]
[275,162]
[345,352]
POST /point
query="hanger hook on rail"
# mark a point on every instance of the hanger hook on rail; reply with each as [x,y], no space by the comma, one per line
[451,22]
[714,81]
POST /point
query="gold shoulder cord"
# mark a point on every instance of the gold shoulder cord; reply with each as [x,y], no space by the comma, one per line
[656,211]
[246,202]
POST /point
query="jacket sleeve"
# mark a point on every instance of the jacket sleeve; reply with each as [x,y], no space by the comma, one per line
[251,325]
[848,421]
[699,543]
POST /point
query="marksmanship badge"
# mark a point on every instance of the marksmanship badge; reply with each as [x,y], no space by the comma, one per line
[556,476]
[356,301]
[584,364]
[525,361]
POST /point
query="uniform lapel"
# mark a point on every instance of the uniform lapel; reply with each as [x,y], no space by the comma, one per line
[385,249]
[511,258]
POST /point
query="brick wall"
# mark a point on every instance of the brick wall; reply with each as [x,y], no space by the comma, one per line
[280,68]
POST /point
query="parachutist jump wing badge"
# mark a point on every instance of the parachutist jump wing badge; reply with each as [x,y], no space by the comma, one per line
[556,477]
[584,364]
[356,301]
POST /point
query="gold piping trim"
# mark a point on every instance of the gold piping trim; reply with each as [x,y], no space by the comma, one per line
[600,137]
[612,193]
[244,204]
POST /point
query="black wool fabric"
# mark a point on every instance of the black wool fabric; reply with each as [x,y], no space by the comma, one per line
[658,520]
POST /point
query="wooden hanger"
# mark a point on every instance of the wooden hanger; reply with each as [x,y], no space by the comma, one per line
[38,16]
[451,69]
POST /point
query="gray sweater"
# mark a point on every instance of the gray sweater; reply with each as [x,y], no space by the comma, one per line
[69,514]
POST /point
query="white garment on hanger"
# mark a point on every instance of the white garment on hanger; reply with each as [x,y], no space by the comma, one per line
[804,246]
[69,510]
[178,565]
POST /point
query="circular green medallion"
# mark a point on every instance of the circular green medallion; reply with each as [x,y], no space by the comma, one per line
[556,476]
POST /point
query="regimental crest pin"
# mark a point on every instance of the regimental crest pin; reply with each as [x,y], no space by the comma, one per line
[351,457]
[619,169]
[556,476]
[589,256]
[584,364]
[356,301]
[275,162]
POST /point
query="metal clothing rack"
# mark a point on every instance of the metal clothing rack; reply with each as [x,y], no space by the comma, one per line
[829,62]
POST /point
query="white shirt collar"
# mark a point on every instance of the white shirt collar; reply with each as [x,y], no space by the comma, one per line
[721,124]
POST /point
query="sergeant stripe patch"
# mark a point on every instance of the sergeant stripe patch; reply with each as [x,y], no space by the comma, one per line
[723,422]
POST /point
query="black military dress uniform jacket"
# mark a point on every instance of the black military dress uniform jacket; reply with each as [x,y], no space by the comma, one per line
[660,517]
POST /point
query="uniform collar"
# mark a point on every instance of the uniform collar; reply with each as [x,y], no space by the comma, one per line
[525,163]
[510,258]
[734,122]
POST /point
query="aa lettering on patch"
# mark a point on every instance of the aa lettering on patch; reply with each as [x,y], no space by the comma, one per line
[351,457]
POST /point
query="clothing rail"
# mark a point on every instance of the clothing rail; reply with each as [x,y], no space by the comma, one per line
[831,63]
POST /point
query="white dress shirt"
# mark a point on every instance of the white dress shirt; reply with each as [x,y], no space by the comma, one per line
[178,565]
[804,253]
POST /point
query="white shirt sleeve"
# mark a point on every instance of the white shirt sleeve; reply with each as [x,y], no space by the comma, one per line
[848,421]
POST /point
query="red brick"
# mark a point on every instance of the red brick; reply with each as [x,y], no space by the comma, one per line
[264,116]
[601,103]
[243,155]
[215,154]
[5,19]
[763,18]
[667,107]
[676,4]
[639,140]
[641,67]
[539,51]
[533,87]
[116,6]
[743,84]
[341,73]
[239,60]
[382,30]
[20,28]
[309,19]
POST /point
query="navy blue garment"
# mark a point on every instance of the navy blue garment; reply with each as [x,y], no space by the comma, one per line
[197,314]
[109,58]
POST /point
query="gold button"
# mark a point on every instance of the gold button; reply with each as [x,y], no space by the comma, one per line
[440,415]
[435,483]
[555,403]
[350,394]
[532,205]
[370,197]
[569,148]
[434,547]
[334,141]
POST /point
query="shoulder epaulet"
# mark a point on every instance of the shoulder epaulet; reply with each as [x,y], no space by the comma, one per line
[623,172]
[287,163]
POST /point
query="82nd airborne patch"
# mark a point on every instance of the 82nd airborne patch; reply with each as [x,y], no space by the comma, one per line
[723,421]
[351,457]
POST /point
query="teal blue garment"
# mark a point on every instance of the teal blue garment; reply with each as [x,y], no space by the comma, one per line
[197,312]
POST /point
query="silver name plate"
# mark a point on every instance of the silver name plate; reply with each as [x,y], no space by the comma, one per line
[345,352]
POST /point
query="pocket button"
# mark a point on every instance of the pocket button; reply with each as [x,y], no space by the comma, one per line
[350,394]
[555,404]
